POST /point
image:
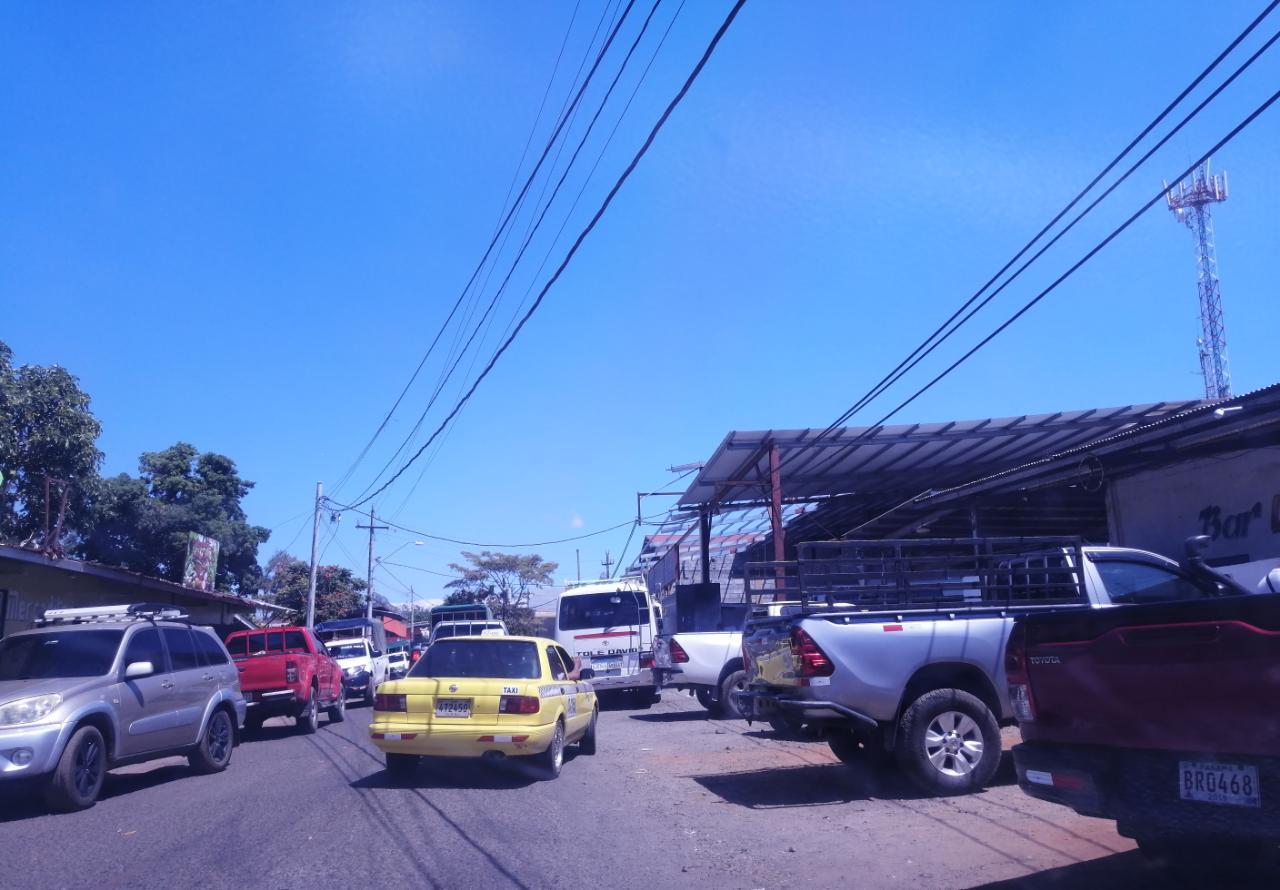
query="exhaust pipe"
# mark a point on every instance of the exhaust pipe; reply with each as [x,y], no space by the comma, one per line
[493,756]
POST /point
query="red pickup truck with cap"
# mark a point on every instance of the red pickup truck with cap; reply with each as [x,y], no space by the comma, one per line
[1162,716]
[286,671]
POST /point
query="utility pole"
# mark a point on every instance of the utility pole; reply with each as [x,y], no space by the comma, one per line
[606,562]
[372,527]
[577,554]
[315,541]
[412,607]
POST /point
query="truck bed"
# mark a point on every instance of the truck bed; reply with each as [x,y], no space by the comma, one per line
[1201,675]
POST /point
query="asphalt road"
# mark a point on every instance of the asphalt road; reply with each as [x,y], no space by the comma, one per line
[673,799]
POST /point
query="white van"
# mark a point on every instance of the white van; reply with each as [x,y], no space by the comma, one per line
[611,626]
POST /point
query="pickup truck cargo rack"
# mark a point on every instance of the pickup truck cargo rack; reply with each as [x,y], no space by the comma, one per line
[924,574]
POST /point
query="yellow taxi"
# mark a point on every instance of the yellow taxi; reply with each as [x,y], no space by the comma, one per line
[490,697]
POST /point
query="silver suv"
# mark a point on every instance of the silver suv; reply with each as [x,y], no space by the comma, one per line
[95,688]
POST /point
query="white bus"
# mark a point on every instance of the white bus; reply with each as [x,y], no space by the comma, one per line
[611,625]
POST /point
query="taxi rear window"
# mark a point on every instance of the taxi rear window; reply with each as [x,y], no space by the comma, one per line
[494,659]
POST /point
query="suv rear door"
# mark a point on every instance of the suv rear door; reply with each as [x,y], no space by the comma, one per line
[193,683]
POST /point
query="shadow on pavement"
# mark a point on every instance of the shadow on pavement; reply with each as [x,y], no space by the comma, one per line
[1133,871]
[807,786]
[26,799]
[454,773]
[677,717]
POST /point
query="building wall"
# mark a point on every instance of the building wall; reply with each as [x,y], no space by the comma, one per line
[1233,498]
[27,590]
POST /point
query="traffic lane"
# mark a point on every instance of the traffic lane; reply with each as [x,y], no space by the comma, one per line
[809,815]
[317,810]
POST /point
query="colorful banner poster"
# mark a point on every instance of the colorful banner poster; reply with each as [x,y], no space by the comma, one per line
[202,562]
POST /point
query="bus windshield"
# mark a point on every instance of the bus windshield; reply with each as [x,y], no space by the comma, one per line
[590,610]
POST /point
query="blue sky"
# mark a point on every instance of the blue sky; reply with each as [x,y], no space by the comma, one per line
[240,225]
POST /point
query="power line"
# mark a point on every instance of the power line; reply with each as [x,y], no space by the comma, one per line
[925,347]
[626,174]
[507,219]
[404,565]
[535,225]
[1088,256]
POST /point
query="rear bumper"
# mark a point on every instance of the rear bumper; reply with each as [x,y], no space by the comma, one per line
[270,702]
[759,703]
[1141,790]
[639,680]
[461,741]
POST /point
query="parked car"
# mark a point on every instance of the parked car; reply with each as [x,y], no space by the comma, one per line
[286,671]
[490,698]
[1160,716]
[898,647]
[709,663]
[363,666]
[94,688]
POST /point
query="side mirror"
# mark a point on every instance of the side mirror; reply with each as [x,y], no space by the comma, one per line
[1196,545]
[1273,580]
[589,674]
[139,669]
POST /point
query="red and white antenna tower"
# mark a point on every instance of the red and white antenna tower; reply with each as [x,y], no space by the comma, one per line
[1190,202]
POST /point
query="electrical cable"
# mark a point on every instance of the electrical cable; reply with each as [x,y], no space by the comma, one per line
[510,213]
[889,379]
[533,229]
[618,565]
[1026,307]
[626,174]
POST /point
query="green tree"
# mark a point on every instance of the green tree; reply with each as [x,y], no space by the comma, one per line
[504,581]
[46,430]
[142,523]
[339,593]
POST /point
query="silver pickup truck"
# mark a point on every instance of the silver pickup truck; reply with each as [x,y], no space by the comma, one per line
[897,651]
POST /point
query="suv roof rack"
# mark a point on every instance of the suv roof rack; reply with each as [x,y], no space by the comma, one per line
[104,614]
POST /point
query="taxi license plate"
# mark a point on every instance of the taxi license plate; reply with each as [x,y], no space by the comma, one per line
[1232,784]
[453,707]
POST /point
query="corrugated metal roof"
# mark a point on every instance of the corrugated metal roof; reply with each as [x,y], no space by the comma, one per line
[888,461]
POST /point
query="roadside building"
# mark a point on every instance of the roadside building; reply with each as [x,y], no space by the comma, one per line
[1146,476]
[31,582]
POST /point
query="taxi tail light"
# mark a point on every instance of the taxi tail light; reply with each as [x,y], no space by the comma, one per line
[678,655]
[646,660]
[519,704]
[811,661]
[291,672]
[385,701]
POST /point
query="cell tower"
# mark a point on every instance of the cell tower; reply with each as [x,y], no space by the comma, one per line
[1190,202]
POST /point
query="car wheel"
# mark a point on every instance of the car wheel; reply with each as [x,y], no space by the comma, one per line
[851,748]
[309,719]
[587,744]
[707,698]
[213,752]
[338,710]
[551,760]
[735,682]
[949,742]
[401,767]
[77,780]
[641,699]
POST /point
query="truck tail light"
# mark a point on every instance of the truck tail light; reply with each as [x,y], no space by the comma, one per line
[678,655]
[811,661]
[385,701]
[519,704]
[291,672]
[1015,667]
[646,660]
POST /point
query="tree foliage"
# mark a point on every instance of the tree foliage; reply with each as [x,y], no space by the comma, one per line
[142,523]
[46,430]
[339,593]
[504,581]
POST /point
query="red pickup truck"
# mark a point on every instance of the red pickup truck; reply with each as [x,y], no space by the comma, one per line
[287,671]
[1164,717]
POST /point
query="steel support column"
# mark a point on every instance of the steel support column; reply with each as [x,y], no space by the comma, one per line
[704,530]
